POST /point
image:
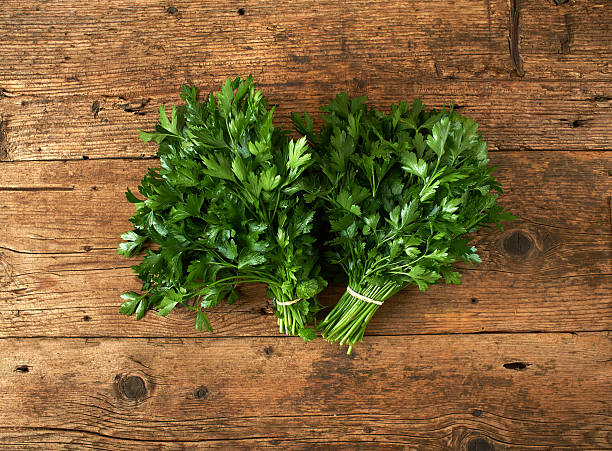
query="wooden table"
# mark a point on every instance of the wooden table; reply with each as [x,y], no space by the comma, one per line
[518,356]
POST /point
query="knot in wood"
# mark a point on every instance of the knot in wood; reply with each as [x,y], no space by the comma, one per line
[518,243]
[200,393]
[132,387]
[479,444]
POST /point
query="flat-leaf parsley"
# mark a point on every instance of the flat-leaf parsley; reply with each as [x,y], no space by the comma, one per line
[225,207]
[400,192]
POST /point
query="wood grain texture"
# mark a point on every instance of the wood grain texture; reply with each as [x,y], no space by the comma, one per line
[551,271]
[518,357]
[529,391]
[79,79]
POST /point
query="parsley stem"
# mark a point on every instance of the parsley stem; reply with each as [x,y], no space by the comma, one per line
[347,321]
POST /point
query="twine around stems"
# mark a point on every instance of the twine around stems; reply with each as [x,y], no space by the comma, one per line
[362,297]
[288,302]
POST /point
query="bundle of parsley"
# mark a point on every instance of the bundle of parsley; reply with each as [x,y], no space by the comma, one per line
[225,207]
[400,191]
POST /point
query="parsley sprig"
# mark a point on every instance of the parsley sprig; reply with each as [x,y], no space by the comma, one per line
[225,207]
[400,192]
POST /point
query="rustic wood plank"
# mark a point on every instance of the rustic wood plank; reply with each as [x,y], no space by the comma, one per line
[98,74]
[550,271]
[513,115]
[63,297]
[570,40]
[62,206]
[462,39]
[527,390]
[472,40]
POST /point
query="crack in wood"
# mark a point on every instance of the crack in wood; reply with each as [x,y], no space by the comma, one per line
[36,188]
[86,249]
[4,151]
[135,106]
[172,338]
[5,93]
[513,38]
[95,108]
[601,99]
[566,39]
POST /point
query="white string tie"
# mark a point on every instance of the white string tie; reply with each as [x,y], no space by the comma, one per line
[362,297]
[288,302]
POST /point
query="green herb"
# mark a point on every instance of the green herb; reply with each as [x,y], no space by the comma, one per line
[400,192]
[225,207]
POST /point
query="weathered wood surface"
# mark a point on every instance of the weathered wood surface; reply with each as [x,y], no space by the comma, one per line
[518,357]
[551,271]
[79,79]
[530,391]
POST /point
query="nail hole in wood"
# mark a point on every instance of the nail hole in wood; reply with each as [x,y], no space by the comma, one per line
[87,318]
[22,369]
[517,366]
[241,11]
[268,351]
[477,413]
[474,301]
[266,311]
[172,10]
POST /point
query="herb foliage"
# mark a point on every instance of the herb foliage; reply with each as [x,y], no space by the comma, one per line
[225,207]
[401,192]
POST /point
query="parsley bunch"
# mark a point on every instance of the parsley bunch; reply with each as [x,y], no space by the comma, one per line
[225,207]
[400,191]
